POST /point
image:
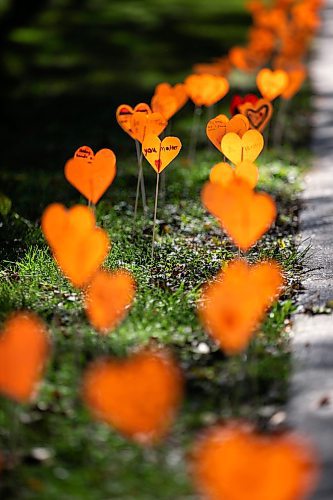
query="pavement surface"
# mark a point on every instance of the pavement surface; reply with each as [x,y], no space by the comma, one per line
[310,409]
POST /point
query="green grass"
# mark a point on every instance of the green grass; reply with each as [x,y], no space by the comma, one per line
[87,460]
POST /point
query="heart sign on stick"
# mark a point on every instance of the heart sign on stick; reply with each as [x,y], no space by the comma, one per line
[244,214]
[223,173]
[272,83]
[124,115]
[160,153]
[78,246]
[258,114]
[24,349]
[219,126]
[235,462]
[143,125]
[246,148]
[205,89]
[91,174]
[108,298]
[167,100]
[234,304]
[138,396]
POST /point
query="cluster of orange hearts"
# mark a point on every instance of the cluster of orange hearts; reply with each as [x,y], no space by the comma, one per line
[280,36]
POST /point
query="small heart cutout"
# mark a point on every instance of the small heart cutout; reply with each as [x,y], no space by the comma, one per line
[108,298]
[246,148]
[258,114]
[223,173]
[272,83]
[138,396]
[91,174]
[143,125]
[160,153]
[205,89]
[24,350]
[78,246]
[124,115]
[219,126]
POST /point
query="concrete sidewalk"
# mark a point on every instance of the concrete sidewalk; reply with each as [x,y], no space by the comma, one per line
[310,409]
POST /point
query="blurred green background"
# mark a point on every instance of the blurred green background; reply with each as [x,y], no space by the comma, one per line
[67,64]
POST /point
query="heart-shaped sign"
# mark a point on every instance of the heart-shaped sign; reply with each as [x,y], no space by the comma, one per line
[258,114]
[237,100]
[124,115]
[272,83]
[244,214]
[234,462]
[246,148]
[24,349]
[234,304]
[205,89]
[167,100]
[108,298]
[143,125]
[221,125]
[91,174]
[223,173]
[160,153]
[138,396]
[78,246]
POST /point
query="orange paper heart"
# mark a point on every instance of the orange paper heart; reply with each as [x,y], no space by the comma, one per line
[108,298]
[244,214]
[233,462]
[138,396]
[78,246]
[143,125]
[234,304]
[124,115]
[205,89]
[272,83]
[223,173]
[246,148]
[91,174]
[167,100]
[221,125]
[24,349]
[160,153]
[258,113]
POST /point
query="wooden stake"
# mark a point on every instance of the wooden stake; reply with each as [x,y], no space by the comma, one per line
[140,182]
[155,213]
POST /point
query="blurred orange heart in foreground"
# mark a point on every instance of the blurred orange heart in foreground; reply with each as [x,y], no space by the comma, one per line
[138,396]
[24,349]
[233,462]
[232,306]
[160,153]
[78,246]
[272,83]
[124,115]
[244,214]
[221,125]
[108,297]
[223,173]
[91,174]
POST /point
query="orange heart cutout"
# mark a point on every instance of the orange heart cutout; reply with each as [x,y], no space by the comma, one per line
[143,125]
[223,173]
[167,100]
[206,89]
[258,114]
[233,462]
[244,214]
[24,349]
[160,153]
[221,125]
[78,246]
[246,148]
[234,304]
[91,174]
[296,80]
[108,298]
[271,84]
[124,115]
[138,396]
